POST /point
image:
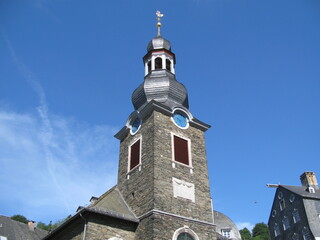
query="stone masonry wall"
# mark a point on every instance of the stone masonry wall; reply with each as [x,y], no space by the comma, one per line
[164,226]
[138,190]
[201,209]
[101,228]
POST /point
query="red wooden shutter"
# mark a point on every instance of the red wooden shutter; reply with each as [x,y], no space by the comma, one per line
[181,153]
[135,154]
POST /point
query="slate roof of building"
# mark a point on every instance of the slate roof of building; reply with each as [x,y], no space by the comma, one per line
[302,191]
[113,203]
[223,222]
[110,204]
[15,230]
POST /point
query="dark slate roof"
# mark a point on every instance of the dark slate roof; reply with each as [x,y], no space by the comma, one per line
[110,204]
[302,191]
[113,203]
[15,230]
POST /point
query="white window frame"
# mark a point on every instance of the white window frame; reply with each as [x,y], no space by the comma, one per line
[174,162]
[276,230]
[226,230]
[284,204]
[185,229]
[129,155]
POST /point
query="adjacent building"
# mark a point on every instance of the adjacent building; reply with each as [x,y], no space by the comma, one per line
[295,213]
[14,230]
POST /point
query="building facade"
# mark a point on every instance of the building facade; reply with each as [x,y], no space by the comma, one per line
[295,213]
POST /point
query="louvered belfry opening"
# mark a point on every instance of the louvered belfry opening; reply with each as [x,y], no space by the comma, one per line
[181,152]
[168,65]
[135,154]
[158,63]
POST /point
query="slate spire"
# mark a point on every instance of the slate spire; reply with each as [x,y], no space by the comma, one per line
[160,82]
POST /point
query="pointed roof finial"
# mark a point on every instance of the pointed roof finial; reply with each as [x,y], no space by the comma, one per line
[159,16]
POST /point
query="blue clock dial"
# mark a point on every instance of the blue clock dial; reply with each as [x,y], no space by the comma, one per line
[180,120]
[135,125]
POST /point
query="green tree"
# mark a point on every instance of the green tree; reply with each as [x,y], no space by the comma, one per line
[44,226]
[260,232]
[19,218]
[245,234]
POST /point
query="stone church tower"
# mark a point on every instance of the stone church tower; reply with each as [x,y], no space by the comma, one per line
[163,190]
[163,172]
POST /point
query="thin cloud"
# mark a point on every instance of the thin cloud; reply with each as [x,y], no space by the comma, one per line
[83,159]
[51,160]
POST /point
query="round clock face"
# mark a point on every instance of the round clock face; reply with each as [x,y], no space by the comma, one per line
[135,125]
[180,120]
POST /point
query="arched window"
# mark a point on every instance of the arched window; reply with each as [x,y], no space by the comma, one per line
[185,233]
[149,66]
[168,64]
[185,236]
[158,63]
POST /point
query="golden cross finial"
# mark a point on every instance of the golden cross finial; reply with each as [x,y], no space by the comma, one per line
[159,16]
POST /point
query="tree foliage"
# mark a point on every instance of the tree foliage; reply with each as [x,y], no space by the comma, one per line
[50,226]
[260,232]
[19,218]
[245,234]
[41,225]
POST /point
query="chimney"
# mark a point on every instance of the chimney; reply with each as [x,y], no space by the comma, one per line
[31,225]
[309,180]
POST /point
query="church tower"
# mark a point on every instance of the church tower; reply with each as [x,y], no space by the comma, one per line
[163,172]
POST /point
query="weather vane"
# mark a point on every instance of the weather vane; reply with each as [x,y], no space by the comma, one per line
[159,16]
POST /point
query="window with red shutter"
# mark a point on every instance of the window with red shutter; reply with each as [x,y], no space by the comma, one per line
[134,154]
[181,150]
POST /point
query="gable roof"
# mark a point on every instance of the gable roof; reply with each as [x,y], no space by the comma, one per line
[15,230]
[302,191]
[112,202]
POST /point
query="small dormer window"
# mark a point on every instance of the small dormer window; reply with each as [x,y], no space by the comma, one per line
[158,63]
[168,64]
[226,233]
[311,190]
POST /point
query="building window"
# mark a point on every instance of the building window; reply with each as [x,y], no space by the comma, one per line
[185,233]
[285,223]
[295,236]
[276,230]
[282,204]
[292,197]
[296,216]
[185,236]
[306,234]
[181,150]
[135,154]
[226,233]
[158,63]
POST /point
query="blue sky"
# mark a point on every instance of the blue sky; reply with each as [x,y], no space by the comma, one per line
[68,69]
